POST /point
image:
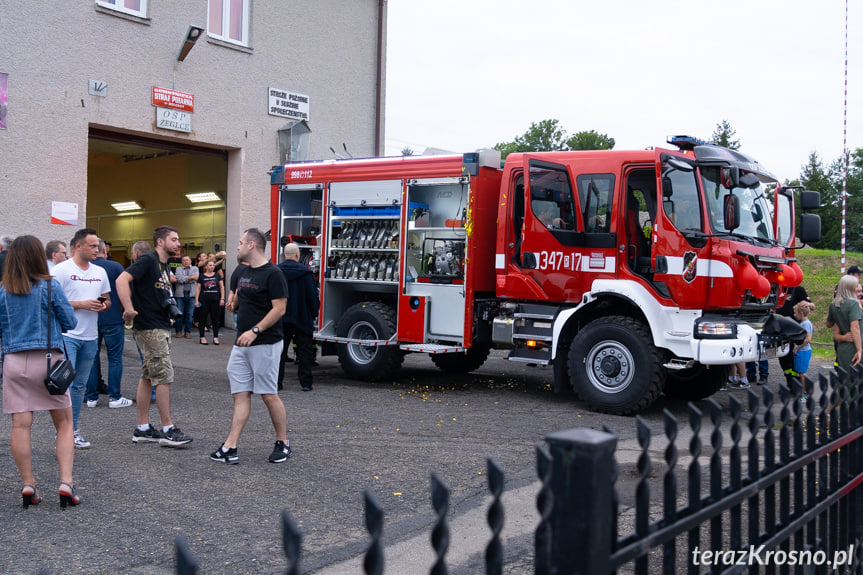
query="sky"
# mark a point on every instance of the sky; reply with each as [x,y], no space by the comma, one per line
[468,74]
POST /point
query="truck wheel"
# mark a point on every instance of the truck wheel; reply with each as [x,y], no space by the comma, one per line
[368,320]
[614,367]
[462,362]
[696,382]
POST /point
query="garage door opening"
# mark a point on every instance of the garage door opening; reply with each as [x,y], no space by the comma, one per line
[174,184]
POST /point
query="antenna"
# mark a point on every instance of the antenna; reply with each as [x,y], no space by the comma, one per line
[346,151]
[338,157]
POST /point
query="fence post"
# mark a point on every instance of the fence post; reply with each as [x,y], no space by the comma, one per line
[582,488]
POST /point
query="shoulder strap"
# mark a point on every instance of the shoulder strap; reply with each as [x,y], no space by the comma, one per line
[48,341]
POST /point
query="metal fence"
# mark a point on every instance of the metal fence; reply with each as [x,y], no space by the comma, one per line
[779,488]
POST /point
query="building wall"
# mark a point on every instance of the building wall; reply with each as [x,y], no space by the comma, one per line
[326,49]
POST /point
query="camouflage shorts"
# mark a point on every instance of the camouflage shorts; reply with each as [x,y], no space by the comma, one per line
[155,348]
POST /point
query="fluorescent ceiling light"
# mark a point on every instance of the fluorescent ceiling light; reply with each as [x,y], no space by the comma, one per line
[204,197]
[127,206]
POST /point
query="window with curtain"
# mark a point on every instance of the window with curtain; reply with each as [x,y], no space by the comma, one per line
[134,7]
[228,20]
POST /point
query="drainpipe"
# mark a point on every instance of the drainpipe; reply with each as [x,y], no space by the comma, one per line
[379,80]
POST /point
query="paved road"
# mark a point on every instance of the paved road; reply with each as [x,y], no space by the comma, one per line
[347,436]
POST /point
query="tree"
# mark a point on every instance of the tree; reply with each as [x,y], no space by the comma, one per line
[547,135]
[406,151]
[815,176]
[590,141]
[541,137]
[723,136]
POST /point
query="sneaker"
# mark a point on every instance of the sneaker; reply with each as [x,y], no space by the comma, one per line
[119,402]
[804,398]
[306,387]
[92,403]
[230,456]
[80,442]
[742,384]
[174,438]
[151,434]
[281,452]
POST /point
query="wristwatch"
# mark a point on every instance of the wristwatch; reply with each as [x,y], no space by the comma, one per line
[256,330]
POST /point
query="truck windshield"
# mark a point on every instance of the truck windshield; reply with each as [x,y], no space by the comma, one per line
[756,216]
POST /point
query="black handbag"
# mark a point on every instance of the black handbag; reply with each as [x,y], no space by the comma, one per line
[61,376]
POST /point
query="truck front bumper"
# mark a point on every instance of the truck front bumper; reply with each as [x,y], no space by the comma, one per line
[746,346]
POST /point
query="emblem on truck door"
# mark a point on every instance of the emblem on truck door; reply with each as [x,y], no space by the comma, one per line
[690,266]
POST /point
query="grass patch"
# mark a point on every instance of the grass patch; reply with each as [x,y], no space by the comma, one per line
[821,272]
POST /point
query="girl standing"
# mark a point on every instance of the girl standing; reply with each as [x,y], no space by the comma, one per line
[210,297]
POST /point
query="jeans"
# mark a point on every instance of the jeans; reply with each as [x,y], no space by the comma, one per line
[115,337]
[759,368]
[81,354]
[187,306]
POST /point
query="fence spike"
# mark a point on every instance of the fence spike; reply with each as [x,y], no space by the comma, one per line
[544,504]
[440,533]
[494,549]
[373,563]
[187,564]
[669,486]
[291,542]
[615,498]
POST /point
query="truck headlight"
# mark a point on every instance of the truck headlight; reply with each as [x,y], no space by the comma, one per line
[715,330]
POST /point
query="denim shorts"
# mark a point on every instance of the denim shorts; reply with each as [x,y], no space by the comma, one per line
[155,348]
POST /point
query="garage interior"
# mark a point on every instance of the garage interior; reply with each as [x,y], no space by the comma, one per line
[158,176]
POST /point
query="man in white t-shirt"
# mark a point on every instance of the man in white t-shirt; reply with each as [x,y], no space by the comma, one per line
[87,288]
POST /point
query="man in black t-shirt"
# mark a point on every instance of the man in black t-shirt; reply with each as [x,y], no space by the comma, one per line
[146,309]
[253,367]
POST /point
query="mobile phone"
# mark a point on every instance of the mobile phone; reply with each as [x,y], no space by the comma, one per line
[101,298]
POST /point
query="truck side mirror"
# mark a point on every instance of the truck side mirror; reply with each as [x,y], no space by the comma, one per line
[810,227]
[730,177]
[810,200]
[731,210]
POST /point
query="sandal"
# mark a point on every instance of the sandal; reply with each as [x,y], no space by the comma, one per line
[204,341]
[68,498]
[29,498]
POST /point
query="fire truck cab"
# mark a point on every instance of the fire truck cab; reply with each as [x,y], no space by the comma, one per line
[631,273]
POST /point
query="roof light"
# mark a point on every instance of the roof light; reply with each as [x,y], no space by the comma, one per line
[127,206]
[204,197]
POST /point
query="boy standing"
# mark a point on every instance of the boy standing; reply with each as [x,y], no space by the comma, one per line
[803,352]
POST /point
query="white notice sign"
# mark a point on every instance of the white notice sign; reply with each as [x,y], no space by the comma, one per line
[64,213]
[288,104]
[170,119]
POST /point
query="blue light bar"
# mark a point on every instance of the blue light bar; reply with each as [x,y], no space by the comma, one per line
[686,142]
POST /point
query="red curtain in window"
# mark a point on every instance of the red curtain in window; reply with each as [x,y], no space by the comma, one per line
[236,22]
[216,17]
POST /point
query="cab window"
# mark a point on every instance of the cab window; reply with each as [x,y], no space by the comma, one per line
[551,196]
[595,193]
[680,200]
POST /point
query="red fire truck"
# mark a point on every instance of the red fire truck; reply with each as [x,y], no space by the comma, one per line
[631,273]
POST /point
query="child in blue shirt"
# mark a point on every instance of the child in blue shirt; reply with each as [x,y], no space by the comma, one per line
[803,352]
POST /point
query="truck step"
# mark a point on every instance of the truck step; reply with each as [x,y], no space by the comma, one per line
[540,356]
[432,348]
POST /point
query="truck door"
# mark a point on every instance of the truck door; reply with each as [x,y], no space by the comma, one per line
[681,246]
[552,241]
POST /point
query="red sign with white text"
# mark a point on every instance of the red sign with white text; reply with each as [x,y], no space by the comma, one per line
[173,99]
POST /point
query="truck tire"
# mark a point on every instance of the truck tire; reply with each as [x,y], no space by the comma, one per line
[462,362]
[614,367]
[696,382]
[368,320]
